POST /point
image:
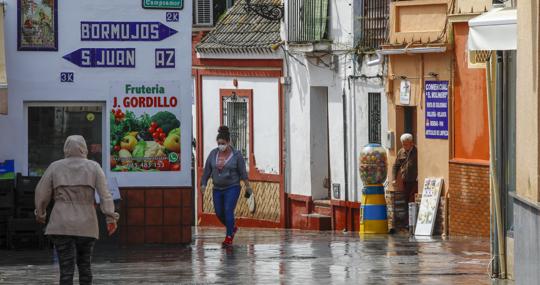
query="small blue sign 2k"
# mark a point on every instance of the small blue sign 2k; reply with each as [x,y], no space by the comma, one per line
[172,16]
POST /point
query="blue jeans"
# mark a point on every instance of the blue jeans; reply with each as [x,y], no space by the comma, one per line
[225,203]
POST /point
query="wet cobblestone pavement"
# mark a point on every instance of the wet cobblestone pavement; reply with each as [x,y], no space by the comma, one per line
[273,257]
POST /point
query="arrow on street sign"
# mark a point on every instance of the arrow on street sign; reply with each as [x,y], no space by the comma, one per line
[125,31]
[102,57]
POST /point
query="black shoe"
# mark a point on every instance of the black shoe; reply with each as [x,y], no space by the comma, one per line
[391,231]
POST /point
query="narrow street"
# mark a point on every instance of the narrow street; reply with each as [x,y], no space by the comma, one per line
[274,257]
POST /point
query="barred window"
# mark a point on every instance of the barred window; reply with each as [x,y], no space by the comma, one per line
[374,117]
[376,14]
[236,117]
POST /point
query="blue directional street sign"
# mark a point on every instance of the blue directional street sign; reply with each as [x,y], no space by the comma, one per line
[125,31]
[102,57]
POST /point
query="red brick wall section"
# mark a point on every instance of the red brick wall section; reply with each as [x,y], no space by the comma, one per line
[162,215]
[469,199]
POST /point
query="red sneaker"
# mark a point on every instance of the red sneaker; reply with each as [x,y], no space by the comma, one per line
[227,242]
[234,231]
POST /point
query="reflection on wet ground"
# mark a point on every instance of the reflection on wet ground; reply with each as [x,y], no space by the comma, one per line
[273,257]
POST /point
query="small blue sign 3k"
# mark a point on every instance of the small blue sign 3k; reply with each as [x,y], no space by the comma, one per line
[67,77]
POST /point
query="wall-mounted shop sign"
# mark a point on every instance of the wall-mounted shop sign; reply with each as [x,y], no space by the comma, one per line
[125,31]
[405,92]
[436,109]
[102,57]
[145,127]
[163,4]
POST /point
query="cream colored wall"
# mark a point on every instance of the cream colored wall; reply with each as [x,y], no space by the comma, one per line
[418,21]
[472,6]
[433,155]
[527,149]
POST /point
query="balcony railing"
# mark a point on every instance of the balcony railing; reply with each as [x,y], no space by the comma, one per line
[307,20]
[375,17]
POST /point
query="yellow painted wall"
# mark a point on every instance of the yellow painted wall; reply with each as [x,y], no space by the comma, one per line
[527,149]
[433,155]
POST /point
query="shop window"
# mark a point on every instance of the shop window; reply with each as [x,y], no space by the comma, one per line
[49,126]
[374,117]
[235,109]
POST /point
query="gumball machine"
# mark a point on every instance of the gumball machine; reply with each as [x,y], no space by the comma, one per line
[373,169]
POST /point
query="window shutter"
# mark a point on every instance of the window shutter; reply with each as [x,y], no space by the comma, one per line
[203,13]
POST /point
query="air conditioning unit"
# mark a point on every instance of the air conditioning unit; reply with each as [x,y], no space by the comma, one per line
[203,13]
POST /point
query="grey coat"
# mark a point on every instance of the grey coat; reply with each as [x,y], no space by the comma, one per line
[231,174]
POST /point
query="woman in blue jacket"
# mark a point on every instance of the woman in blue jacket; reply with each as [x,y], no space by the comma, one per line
[227,167]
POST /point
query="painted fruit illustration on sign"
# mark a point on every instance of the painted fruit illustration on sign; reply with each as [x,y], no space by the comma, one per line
[144,143]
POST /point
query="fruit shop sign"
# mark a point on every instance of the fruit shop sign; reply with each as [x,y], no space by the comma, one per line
[145,129]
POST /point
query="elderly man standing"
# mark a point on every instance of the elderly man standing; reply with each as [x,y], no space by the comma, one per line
[406,165]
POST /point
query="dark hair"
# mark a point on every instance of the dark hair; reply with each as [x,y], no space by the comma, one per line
[224,134]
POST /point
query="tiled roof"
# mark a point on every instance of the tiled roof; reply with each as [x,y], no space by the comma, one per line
[242,31]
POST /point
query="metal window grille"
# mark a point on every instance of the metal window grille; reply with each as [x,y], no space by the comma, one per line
[376,14]
[374,117]
[236,117]
[307,20]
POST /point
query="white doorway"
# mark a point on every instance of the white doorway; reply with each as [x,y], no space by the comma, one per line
[320,160]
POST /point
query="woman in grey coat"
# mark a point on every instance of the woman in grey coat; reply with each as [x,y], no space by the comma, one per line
[73,225]
[227,167]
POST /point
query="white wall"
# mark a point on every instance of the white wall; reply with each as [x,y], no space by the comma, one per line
[298,129]
[265,119]
[360,88]
[341,29]
[34,76]
[305,75]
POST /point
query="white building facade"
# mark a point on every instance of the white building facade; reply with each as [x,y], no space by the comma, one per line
[335,104]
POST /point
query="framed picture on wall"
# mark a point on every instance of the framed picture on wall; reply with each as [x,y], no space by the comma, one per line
[37,25]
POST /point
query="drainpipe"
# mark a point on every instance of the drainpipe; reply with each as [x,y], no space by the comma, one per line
[345,155]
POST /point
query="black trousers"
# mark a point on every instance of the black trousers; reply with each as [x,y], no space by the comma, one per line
[73,250]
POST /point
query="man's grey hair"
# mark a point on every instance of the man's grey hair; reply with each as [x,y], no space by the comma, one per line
[406,138]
